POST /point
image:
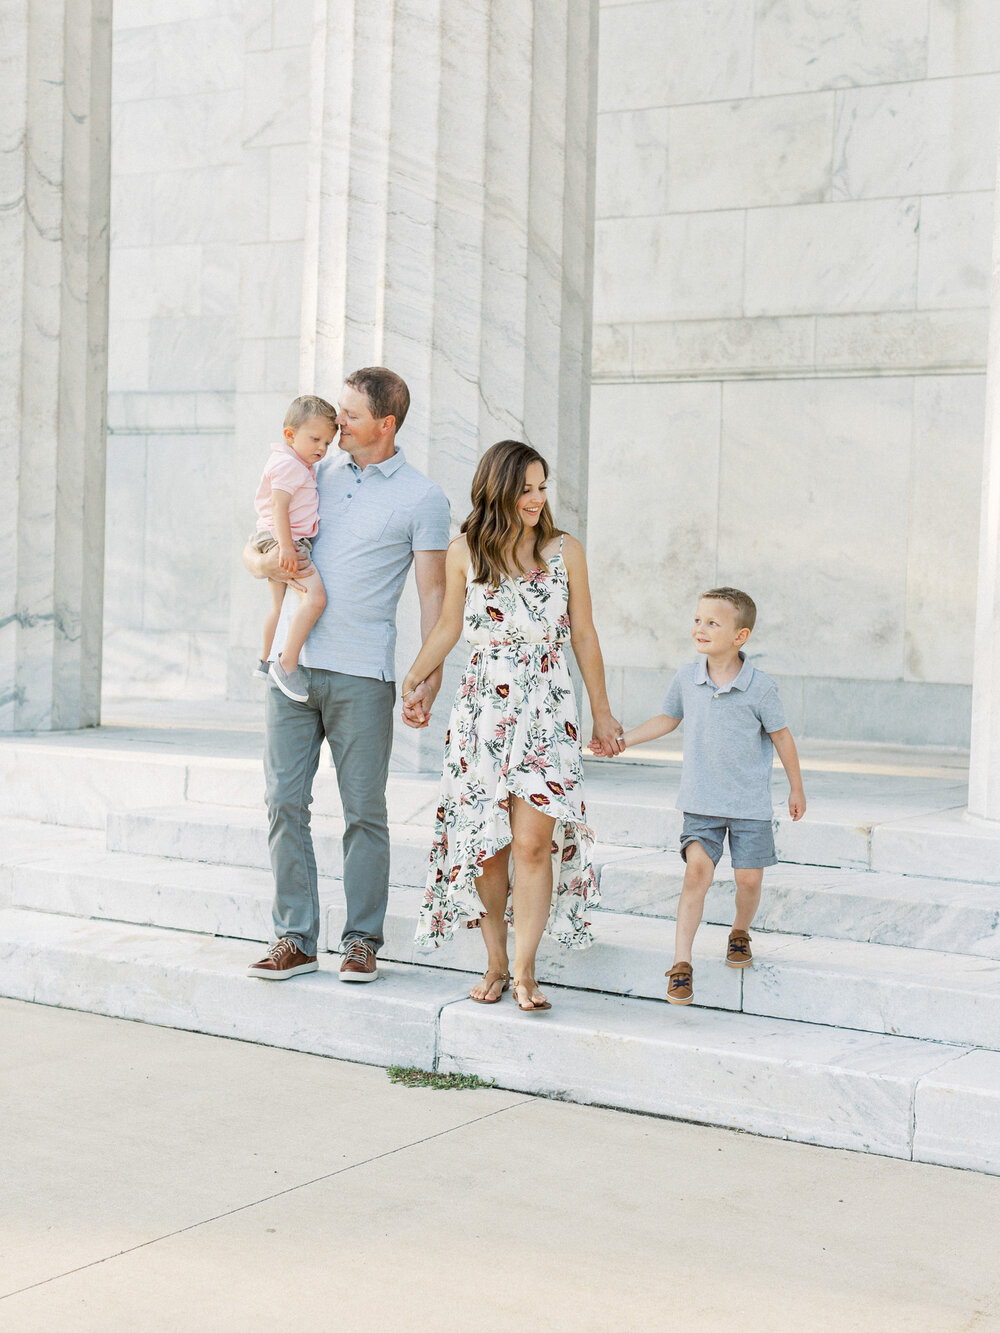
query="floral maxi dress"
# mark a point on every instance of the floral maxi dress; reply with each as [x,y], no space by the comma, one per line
[513,731]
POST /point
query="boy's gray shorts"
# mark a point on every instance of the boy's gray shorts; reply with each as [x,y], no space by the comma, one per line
[751,841]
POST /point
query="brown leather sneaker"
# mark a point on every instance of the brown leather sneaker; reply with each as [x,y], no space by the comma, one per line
[680,986]
[738,953]
[284,959]
[359,962]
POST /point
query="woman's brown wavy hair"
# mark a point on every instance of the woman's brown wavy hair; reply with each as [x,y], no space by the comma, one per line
[494,527]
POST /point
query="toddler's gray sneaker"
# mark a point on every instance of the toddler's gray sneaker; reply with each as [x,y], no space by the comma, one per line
[261,670]
[292,683]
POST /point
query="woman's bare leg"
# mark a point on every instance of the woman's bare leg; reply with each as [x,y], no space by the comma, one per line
[492,888]
[532,850]
[309,611]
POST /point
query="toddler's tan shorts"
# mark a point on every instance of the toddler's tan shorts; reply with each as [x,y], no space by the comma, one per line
[264,542]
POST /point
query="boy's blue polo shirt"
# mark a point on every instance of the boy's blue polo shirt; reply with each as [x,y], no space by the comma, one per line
[727,746]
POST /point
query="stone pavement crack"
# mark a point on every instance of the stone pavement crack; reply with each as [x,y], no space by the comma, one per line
[267,1198]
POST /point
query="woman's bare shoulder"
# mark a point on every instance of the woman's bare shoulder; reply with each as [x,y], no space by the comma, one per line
[571,547]
[458,553]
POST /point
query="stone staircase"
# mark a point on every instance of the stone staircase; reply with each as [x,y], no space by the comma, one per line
[134,882]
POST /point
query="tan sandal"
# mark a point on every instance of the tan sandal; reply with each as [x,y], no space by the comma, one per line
[533,1006]
[490,979]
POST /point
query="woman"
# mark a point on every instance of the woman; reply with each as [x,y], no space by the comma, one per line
[512,781]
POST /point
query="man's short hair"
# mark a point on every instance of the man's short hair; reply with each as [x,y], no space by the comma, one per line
[387,394]
[746,610]
[305,408]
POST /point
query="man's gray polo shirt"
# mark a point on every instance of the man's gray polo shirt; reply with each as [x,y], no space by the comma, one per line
[371,520]
[727,748]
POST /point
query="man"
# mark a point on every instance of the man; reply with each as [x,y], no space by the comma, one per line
[377,515]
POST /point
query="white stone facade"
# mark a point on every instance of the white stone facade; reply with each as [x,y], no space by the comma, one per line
[794,230]
[791,281]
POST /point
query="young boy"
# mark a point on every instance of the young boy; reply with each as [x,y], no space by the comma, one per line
[732,718]
[287,504]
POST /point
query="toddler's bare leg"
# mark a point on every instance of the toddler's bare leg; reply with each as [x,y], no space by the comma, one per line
[748,885]
[699,871]
[271,623]
[310,608]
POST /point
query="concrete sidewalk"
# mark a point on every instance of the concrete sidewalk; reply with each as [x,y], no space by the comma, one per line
[162,1180]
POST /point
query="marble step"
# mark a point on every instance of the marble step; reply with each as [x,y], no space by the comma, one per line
[865,906]
[802,1081]
[894,822]
[234,836]
[877,907]
[78,780]
[910,992]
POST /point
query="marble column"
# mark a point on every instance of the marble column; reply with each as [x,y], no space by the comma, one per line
[449,228]
[984,760]
[55,107]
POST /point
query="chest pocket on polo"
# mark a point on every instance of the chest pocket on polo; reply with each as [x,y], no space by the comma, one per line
[367,520]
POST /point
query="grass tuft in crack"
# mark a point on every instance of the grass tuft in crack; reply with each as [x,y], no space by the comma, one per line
[425,1078]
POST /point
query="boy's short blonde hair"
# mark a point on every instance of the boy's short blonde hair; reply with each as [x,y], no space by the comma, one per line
[746,610]
[305,408]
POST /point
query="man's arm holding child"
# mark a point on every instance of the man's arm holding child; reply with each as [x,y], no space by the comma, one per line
[789,756]
[264,565]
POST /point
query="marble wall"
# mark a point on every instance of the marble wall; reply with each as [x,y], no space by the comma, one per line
[55,107]
[791,280]
[209,130]
[791,294]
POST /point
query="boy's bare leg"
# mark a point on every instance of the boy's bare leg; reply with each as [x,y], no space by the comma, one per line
[699,871]
[309,611]
[492,888]
[748,885]
[273,616]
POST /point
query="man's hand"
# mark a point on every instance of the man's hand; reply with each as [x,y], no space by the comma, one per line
[417,705]
[288,560]
[268,566]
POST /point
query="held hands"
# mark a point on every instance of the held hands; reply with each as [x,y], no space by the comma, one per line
[417,700]
[608,738]
[797,803]
[288,560]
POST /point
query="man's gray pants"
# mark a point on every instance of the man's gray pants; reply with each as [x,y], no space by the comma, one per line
[354,713]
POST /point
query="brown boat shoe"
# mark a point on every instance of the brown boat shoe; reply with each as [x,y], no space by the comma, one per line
[284,959]
[680,984]
[738,953]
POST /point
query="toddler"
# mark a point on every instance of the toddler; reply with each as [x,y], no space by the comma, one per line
[287,504]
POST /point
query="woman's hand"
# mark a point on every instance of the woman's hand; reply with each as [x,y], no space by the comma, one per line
[609,737]
[416,704]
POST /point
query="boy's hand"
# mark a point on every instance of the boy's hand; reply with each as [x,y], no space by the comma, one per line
[797,804]
[288,560]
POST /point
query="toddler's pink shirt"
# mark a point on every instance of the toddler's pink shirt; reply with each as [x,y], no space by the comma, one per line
[286,471]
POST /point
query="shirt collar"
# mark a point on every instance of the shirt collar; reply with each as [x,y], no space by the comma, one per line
[387,467]
[741,682]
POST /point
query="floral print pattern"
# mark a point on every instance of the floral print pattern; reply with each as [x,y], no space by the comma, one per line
[513,731]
